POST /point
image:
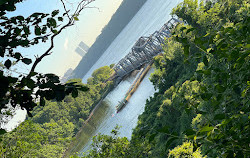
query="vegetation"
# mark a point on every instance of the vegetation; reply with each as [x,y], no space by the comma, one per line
[17,33]
[202,106]
[52,127]
[185,150]
[109,146]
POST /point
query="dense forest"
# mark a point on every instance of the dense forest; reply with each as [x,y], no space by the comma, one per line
[53,126]
[201,107]
[119,20]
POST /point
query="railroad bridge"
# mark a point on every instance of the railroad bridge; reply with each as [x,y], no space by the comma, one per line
[144,50]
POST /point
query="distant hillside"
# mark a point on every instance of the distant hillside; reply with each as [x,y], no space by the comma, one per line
[119,20]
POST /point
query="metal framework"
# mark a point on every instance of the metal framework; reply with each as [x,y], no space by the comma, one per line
[145,49]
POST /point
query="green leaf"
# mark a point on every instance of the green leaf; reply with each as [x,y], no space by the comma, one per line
[206,72]
[24,43]
[247,46]
[225,121]
[189,132]
[205,61]
[2,131]
[52,22]
[209,50]
[17,31]
[170,141]
[197,41]
[60,18]
[84,88]
[76,18]
[27,61]
[183,28]
[207,35]
[44,29]
[186,50]
[37,30]
[219,117]
[237,89]
[17,55]
[152,137]
[206,96]
[26,30]
[248,83]
[220,88]
[30,83]
[54,31]
[7,63]
[74,93]
[54,13]
[164,129]
[190,30]
[35,14]
[21,18]
[206,129]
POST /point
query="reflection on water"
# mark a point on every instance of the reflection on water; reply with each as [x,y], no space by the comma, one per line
[85,135]
[105,118]
[149,19]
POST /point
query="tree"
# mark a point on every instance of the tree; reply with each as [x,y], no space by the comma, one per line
[52,128]
[224,76]
[185,150]
[16,32]
[109,146]
[206,104]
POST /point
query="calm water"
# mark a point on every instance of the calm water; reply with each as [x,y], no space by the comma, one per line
[149,19]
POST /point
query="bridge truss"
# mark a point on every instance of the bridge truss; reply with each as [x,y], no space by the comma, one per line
[144,49]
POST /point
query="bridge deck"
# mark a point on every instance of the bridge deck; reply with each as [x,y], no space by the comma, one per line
[144,49]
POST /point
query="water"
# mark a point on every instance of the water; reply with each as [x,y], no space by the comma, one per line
[150,18]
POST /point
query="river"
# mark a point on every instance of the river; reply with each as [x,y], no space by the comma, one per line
[149,18]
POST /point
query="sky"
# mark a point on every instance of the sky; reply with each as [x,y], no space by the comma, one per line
[91,21]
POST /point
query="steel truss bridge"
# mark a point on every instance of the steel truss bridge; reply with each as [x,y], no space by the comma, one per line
[144,50]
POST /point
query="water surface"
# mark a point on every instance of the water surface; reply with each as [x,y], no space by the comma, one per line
[150,18]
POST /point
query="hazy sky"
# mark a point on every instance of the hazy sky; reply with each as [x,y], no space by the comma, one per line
[89,26]
[91,21]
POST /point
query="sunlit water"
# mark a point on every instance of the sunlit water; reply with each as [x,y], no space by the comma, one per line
[149,19]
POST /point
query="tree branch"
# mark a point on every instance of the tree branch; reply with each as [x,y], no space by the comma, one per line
[71,21]
[66,12]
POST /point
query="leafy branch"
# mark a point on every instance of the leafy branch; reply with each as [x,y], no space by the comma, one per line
[71,22]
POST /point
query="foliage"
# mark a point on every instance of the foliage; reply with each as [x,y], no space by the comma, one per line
[109,146]
[185,150]
[202,106]
[203,83]
[101,74]
[164,116]
[53,126]
[17,32]
[224,94]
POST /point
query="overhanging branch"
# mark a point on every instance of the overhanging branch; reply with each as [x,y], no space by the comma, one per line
[71,22]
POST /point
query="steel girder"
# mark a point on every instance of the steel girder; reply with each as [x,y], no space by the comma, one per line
[145,49]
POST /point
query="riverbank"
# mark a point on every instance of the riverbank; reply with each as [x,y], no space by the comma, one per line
[97,113]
